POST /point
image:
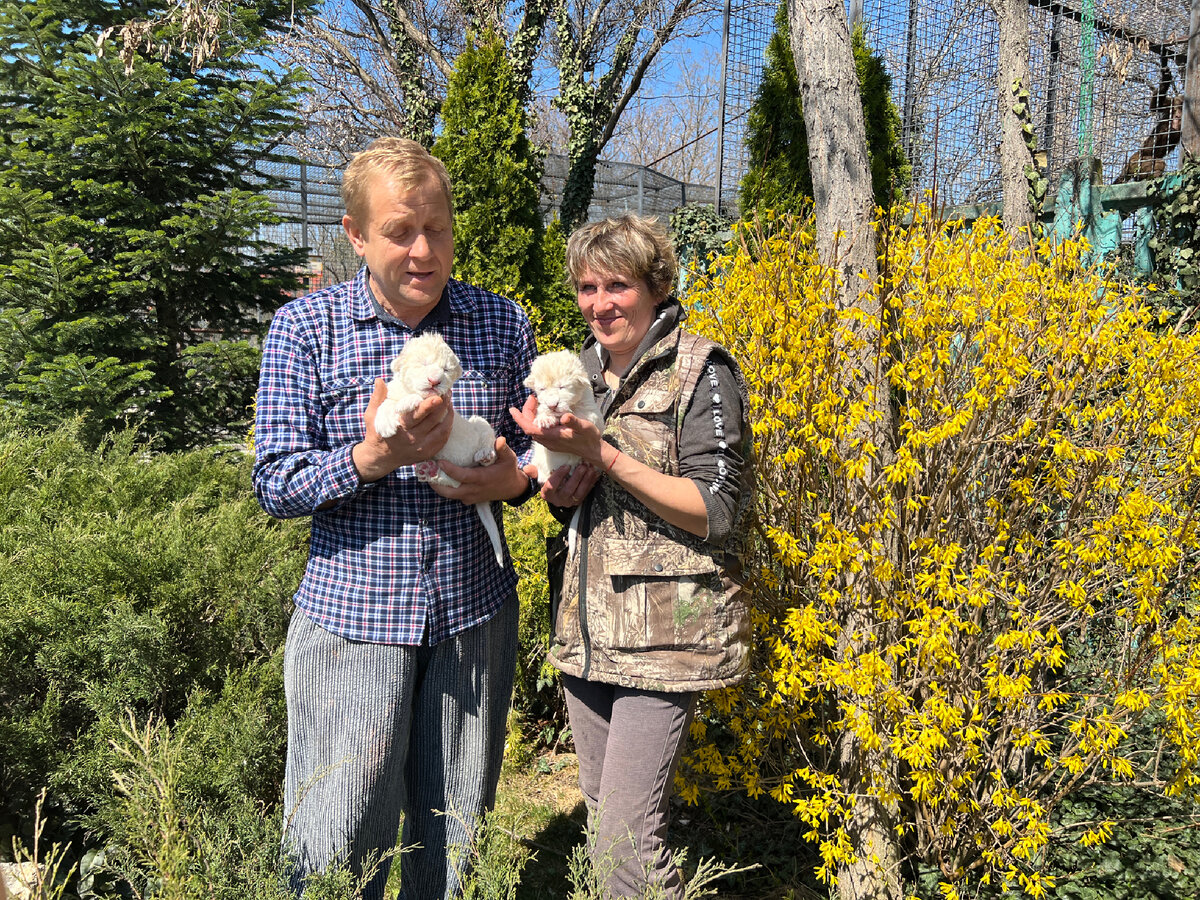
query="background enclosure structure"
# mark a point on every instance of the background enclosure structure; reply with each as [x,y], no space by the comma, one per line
[1095,66]
[747,30]
[309,201]
[1095,69]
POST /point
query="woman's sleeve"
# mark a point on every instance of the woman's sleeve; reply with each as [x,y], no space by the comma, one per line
[710,439]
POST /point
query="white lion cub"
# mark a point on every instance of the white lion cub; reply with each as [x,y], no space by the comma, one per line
[561,385]
[425,367]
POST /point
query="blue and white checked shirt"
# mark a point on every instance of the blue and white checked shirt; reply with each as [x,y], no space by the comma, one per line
[391,562]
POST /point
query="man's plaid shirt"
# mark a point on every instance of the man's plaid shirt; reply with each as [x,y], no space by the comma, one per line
[390,562]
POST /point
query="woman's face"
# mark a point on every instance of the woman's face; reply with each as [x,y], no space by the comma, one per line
[619,309]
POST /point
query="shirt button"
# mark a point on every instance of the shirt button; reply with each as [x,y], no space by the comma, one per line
[641,403]
[658,567]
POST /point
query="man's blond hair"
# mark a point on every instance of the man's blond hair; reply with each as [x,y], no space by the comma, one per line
[405,162]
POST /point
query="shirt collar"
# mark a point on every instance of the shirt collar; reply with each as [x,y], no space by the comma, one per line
[457,300]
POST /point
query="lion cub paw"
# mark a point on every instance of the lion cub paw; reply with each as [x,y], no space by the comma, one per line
[427,470]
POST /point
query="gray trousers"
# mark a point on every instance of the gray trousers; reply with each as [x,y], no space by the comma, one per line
[376,731]
[629,743]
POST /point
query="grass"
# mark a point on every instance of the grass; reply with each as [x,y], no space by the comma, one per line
[539,809]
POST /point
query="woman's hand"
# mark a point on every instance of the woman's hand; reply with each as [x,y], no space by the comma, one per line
[570,435]
[564,486]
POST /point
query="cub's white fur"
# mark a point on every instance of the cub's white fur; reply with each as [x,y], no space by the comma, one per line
[425,367]
[561,385]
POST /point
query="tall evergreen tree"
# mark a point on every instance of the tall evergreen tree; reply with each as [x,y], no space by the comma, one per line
[131,270]
[500,242]
[779,177]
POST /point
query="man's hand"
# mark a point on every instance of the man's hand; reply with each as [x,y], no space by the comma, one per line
[502,480]
[422,433]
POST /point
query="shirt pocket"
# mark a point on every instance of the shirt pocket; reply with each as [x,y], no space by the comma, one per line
[662,597]
[482,392]
[343,402]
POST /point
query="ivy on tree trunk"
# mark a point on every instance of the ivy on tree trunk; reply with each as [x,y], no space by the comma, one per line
[1017,167]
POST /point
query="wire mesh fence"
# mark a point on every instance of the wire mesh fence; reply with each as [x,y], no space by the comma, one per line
[1101,72]
[751,24]
[307,198]
[623,187]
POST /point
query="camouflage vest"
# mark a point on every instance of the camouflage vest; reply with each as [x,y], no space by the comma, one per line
[642,603]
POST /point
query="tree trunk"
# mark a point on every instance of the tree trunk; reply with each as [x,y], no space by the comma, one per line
[1016,129]
[844,204]
[837,139]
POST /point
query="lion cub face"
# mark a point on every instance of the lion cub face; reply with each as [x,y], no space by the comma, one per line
[425,367]
[561,385]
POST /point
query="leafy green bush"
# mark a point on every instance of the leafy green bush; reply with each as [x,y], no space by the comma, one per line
[537,700]
[1176,243]
[143,585]
[223,379]
[699,233]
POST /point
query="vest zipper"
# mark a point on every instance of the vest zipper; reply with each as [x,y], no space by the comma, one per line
[584,637]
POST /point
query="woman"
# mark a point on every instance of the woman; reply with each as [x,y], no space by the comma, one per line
[648,608]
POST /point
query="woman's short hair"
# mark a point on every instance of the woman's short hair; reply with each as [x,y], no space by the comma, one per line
[406,162]
[629,245]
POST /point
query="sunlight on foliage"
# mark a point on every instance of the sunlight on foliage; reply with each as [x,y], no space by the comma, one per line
[995,595]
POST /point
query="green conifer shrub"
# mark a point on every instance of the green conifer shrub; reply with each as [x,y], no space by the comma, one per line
[131,215]
[499,239]
[144,585]
[779,177]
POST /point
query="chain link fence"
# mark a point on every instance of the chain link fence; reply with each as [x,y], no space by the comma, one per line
[1102,71]
[1097,69]
[307,197]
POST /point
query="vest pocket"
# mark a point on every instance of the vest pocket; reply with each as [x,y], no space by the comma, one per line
[662,597]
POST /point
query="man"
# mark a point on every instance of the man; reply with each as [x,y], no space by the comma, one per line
[399,659]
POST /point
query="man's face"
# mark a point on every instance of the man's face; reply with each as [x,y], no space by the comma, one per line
[407,243]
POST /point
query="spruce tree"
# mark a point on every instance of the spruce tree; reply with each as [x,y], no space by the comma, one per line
[779,177]
[500,242]
[131,271]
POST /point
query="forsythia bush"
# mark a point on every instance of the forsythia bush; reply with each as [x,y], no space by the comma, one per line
[978,542]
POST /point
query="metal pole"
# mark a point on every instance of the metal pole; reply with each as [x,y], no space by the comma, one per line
[1191,87]
[721,111]
[908,126]
[1087,77]
[304,203]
